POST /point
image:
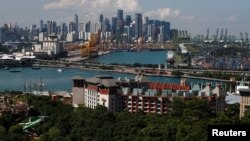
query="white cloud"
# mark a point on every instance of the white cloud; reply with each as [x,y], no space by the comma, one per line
[163,13]
[231,18]
[62,4]
[95,5]
[168,13]
[128,5]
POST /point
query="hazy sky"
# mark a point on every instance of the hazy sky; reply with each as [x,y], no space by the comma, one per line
[192,15]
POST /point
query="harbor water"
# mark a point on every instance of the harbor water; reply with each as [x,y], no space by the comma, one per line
[51,79]
[142,57]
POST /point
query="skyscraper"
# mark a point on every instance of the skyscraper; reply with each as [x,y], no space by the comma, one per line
[49,27]
[101,18]
[128,20]
[138,25]
[41,26]
[54,27]
[113,26]
[76,22]
[120,22]
[107,26]
[101,21]
[71,27]
[76,18]
[119,14]
[166,32]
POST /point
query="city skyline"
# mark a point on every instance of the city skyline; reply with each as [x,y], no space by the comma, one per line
[195,16]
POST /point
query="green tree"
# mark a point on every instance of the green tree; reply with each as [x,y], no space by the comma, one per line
[54,133]
[15,129]
[2,131]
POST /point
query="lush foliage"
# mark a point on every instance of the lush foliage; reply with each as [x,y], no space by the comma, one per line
[185,121]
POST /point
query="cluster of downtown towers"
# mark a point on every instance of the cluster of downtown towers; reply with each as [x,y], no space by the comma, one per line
[117,28]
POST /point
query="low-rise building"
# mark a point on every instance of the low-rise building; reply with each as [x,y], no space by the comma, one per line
[63,96]
[244,101]
[139,94]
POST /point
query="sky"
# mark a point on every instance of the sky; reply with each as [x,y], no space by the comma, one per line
[195,16]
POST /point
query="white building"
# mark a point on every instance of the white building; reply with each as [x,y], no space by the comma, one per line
[41,36]
[71,37]
[99,90]
[50,45]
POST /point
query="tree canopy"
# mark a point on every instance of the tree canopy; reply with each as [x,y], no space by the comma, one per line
[185,121]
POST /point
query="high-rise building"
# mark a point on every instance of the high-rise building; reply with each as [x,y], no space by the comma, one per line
[41,26]
[54,27]
[82,27]
[75,24]
[101,18]
[106,26]
[49,27]
[101,21]
[76,19]
[128,20]
[156,31]
[166,31]
[120,22]
[149,32]
[138,25]
[146,19]
[113,26]
[161,35]
[127,32]
[119,14]
[95,27]
[64,30]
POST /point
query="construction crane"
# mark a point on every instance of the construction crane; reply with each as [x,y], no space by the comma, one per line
[88,49]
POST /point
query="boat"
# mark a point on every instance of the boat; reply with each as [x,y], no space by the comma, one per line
[36,68]
[5,68]
[59,70]
[15,70]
